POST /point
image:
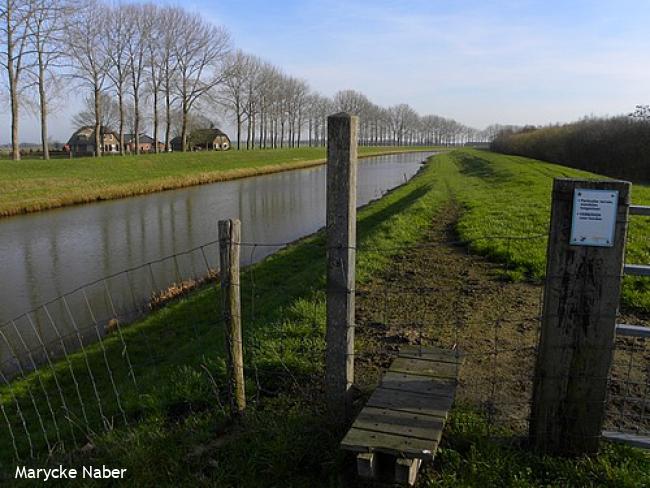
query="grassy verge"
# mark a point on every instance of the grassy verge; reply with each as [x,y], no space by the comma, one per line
[177,435]
[510,196]
[33,185]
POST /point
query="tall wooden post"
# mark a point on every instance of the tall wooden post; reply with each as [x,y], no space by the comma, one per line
[341,254]
[581,298]
[229,241]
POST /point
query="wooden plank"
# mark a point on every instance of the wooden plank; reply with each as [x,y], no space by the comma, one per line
[404,418]
[406,470]
[418,384]
[431,354]
[634,440]
[436,406]
[400,423]
[425,368]
[359,440]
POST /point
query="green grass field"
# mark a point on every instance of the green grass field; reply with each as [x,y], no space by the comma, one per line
[33,185]
[178,436]
[510,196]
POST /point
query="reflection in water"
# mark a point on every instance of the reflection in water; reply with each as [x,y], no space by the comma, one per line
[44,255]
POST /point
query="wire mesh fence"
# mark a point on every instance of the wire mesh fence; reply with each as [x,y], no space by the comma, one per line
[96,359]
[96,310]
[74,366]
[628,401]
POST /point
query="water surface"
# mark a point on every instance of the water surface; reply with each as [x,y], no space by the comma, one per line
[48,254]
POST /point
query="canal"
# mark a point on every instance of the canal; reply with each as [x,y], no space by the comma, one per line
[46,255]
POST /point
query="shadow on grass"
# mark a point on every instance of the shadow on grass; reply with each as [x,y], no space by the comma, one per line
[374,219]
[473,165]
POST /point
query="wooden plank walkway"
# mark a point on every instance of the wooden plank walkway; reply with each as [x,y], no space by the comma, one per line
[402,422]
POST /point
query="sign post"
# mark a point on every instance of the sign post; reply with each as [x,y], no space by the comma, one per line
[593,221]
[581,296]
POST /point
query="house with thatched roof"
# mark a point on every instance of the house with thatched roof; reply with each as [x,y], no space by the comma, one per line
[82,142]
[203,140]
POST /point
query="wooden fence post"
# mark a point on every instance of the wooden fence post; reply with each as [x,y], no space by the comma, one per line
[229,241]
[581,298]
[341,254]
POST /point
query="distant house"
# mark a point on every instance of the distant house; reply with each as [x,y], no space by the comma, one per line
[203,140]
[82,142]
[147,144]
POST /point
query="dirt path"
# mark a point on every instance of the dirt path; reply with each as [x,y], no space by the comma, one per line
[437,293]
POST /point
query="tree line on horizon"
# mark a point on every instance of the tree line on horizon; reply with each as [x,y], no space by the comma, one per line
[164,68]
[618,146]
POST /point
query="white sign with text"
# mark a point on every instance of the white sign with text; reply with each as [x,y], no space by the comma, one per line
[594,217]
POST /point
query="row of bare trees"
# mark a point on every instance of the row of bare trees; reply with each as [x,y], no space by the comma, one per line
[272,109]
[31,51]
[166,58]
[151,59]
[143,64]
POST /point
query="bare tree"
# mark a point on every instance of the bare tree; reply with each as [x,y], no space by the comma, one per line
[15,56]
[117,38]
[46,30]
[357,103]
[400,118]
[233,91]
[270,93]
[266,98]
[322,107]
[195,120]
[136,48]
[351,101]
[90,61]
[154,47]
[111,114]
[168,25]
[253,86]
[297,91]
[199,51]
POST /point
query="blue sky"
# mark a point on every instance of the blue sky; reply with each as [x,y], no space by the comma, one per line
[479,62]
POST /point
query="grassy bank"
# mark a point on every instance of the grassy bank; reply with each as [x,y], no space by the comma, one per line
[33,185]
[510,196]
[177,434]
